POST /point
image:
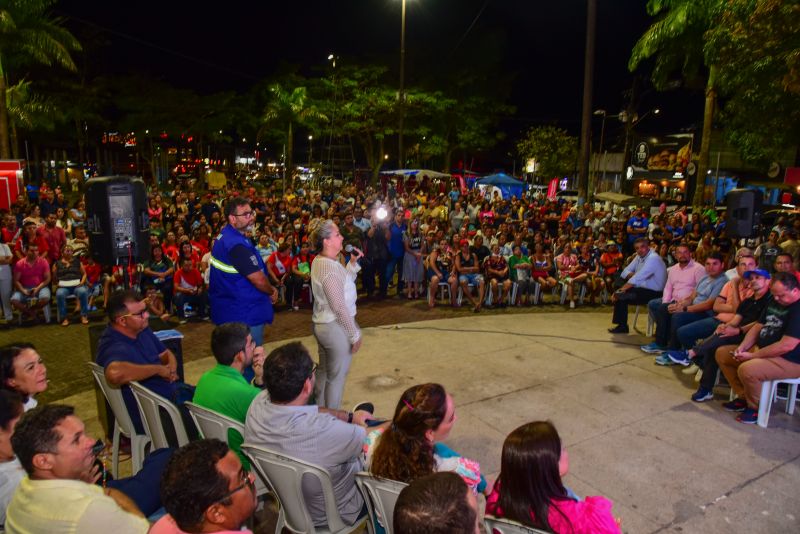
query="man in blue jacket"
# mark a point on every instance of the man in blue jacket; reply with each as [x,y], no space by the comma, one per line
[239,288]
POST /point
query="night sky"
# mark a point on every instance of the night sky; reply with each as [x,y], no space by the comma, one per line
[537,44]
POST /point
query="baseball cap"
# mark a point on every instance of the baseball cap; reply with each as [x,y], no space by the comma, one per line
[759,272]
[463,242]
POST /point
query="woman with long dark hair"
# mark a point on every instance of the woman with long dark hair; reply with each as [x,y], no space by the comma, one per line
[410,447]
[529,489]
[22,370]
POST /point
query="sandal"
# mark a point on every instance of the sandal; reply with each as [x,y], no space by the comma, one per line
[65,322]
[84,319]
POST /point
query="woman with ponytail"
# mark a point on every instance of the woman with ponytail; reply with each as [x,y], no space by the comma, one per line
[410,446]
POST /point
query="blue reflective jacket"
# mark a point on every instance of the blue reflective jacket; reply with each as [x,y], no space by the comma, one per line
[233,297]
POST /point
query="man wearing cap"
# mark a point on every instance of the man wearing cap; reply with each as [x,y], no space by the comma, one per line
[644,277]
[770,350]
[239,288]
[733,271]
[727,333]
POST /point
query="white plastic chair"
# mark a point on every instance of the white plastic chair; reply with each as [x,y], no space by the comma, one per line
[496,525]
[150,405]
[122,424]
[768,392]
[284,474]
[650,322]
[214,425]
[581,293]
[444,287]
[380,494]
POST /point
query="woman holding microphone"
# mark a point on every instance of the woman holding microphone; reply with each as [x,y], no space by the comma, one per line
[338,336]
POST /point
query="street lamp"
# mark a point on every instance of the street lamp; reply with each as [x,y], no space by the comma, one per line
[310,148]
[402,81]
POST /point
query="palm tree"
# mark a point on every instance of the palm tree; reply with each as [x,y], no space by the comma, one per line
[29,34]
[28,111]
[676,41]
[285,110]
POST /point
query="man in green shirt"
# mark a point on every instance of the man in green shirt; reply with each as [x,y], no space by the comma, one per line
[223,389]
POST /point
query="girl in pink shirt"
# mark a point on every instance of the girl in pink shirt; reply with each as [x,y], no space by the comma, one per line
[529,489]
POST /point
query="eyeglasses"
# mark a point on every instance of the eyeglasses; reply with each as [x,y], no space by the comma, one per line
[247,481]
[244,214]
[137,314]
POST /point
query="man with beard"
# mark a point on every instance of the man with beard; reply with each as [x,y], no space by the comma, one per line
[240,289]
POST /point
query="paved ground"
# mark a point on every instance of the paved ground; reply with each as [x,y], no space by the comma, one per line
[668,464]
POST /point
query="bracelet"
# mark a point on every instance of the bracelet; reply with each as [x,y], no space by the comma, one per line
[349,417]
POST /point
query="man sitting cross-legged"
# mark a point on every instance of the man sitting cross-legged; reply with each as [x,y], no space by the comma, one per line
[733,331]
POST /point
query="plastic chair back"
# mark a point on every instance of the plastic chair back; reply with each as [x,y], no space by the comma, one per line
[213,424]
[380,494]
[284,474]
[150,406]
[495,525]
[122,423]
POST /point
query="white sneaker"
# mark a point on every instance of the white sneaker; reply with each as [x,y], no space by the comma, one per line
[698,376]
[572,305]
[692,369]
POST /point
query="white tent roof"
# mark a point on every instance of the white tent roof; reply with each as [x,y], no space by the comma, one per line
[418,172]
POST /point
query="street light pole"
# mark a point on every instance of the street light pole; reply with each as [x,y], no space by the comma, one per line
[402,83]
[586,115]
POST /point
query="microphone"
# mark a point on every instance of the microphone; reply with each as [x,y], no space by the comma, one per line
[348,248]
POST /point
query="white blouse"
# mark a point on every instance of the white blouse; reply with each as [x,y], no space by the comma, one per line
[334,288]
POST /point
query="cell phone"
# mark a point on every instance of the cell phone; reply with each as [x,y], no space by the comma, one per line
[375,422]
[98,447]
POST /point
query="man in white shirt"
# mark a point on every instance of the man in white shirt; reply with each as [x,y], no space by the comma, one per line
[58,495]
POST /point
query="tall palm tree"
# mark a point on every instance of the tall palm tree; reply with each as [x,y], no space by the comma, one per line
[675,41]
[286,109]
[28,111]
[29,34]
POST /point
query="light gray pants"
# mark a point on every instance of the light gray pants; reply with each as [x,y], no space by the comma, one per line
[5,297]
[334,363]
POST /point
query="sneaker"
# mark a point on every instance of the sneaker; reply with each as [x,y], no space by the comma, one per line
[749,416]
[663,359]
[653,348]
[366,406]
[736,405]
[702,395]
[572,305]
[692,369]
[183,321]
[679,357]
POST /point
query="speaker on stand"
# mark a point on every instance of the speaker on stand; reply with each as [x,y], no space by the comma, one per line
[743,212]
[117,221]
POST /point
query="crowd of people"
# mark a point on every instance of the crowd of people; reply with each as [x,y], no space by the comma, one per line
[232,256]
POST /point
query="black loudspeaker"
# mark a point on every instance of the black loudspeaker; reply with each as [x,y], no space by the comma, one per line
[116,219]
[744,212]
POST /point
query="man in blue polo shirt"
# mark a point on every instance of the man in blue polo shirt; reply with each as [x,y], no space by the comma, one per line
[128,350]
[636,227]
[394,236]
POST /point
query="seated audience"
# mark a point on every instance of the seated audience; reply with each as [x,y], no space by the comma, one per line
[468,268]
[23,371]
[770,350]
[224,388]
[189,289]
[530,490]
[643,280]
[58,495]
[129,350]
[205,488]
[280,419]
[31,283]
[439,503]
[411,445]
[70,277]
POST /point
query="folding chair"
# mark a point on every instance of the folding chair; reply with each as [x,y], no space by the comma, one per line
[495,525]
[284,474]
[150,406]
[380,494]
[122,424]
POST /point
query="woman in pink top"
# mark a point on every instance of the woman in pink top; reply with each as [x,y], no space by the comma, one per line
[529,489]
